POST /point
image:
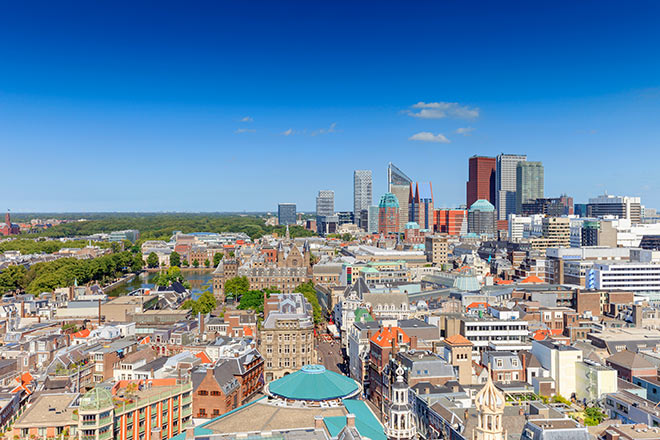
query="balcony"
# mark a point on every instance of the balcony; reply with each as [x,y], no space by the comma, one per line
[105,435]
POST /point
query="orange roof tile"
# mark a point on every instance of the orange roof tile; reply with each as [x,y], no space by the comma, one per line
[386,335]
[532,279]
[458,339]
[476,305]
[247,331]
[205,359]
[145,340]
[81,334]
[503,282]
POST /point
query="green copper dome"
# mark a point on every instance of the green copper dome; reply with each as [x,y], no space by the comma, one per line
[388,200]
[314,382]
[482,205]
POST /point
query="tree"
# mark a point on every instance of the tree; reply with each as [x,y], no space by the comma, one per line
[237,286]
[206,303]
[207,263]
[593,416]
[12,278]
[175,259]
[152,260]
[196,263]
[346,237]
[254,300]
[217,257]
[309,292]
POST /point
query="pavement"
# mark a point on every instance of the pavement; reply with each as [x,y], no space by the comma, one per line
[330,356]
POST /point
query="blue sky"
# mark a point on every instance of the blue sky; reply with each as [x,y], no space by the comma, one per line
[228,106]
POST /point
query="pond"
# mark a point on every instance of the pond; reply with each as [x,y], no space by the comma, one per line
[200,282]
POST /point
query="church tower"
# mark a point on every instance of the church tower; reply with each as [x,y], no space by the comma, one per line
[490,410]
[8,219]
[400,424]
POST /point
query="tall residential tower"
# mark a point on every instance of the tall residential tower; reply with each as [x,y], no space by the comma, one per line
[325,203]
[481,182]
[505,184]
[529,183]
[362,193]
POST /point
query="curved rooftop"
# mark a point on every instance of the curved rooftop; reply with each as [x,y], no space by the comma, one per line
[96,399]
[314,382]
[388,200]
[482,205]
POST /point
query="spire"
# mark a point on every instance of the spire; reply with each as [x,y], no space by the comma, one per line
[490,407]
[288,236]
[400,423]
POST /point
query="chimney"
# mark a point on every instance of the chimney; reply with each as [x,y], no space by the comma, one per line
[200,324]
[350,420]
[318,422]
[156,434]
[71,293]
[521,411]
[466,415]
[190,433]
[22,309]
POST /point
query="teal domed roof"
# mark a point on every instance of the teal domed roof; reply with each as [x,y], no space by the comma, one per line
[466,282]
[412,225]
[314,382]
[388,200]
[96,399]
[482,205]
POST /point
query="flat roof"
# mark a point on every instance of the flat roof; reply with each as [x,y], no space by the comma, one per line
[49,410]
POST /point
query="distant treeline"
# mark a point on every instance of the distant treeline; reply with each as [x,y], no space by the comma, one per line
[26,246]
[160,226]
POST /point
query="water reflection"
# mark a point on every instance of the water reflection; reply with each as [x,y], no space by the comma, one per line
[200,281]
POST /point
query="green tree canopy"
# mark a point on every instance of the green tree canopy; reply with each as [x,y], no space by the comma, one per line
[207,263]
[152,260]
[175,259]
[254,299]
[217,257]
[206,303]
[237,286]
[309,292]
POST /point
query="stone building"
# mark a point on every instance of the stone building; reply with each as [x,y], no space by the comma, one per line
[287,335]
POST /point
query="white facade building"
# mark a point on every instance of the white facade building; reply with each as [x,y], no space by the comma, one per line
[631,276]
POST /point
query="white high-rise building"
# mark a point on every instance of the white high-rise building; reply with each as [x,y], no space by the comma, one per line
[362,193]
[505,184]
[325,203]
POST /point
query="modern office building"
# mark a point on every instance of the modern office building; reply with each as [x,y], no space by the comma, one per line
[388,214]
[362,193]
[372,226]
[451,221]
[345,217]
[626,275]
[552,207]
[399,185]
[286,213]
[505,184]
[436,248]
[481,218]
[619,206]
[529,183]
[325,203]
[481,179]
[420,205]
[131,235]
[327,224]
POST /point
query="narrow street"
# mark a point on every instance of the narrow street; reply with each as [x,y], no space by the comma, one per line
[330,356]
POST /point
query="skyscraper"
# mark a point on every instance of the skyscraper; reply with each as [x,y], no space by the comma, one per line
[420,203]
[481,181]
[388,214]
[362,193]
[399,185]
[529,183]
[286,213]
[325,203]
[505,184]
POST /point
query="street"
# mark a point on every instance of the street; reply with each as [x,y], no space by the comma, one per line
[330,355]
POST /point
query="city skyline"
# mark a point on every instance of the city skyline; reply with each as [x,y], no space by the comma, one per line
[81,102]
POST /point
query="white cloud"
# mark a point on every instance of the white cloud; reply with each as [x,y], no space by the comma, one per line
[245,130]
[465,131]
[247,119]
[288,132]
[426,136]
[330,129]
[439,110]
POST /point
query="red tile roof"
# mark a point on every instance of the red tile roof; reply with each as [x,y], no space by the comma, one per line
[205,359]
[457,339]
[532,279]
[386,335]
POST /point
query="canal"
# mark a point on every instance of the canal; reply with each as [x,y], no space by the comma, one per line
[200,281]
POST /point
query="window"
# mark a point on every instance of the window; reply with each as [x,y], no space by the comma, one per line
[202,411]
[202,393]
[215,393]
[499,363]
[216,412]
